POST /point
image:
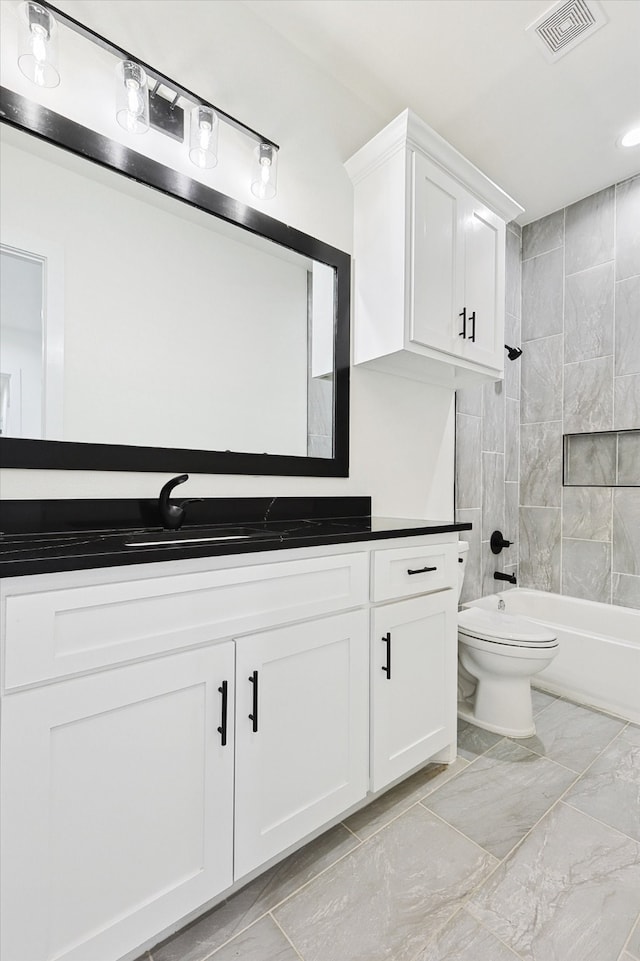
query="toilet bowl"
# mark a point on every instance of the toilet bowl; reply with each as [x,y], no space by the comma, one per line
[498,654]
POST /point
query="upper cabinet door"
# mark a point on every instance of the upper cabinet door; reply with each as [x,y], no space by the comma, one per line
[484,284]
[436,255]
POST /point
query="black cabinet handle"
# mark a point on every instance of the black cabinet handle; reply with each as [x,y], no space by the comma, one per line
[422,570]
[463,314]
[222,730]
[387,667]
[253,679]
[472,318]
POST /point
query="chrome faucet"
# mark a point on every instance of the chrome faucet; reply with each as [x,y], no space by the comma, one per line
[173,515]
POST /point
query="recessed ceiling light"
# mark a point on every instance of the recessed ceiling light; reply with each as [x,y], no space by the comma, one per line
[631,138]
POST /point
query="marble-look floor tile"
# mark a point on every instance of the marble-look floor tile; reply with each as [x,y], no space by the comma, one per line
[541,700]
[259,896]
[633,944]
[569,892]
[368,820]
[589,231]
[610,789]
[631,734]
[263,941]
[499,797]
[588,396]
[388,897]
[473,741]
[572,735]
[463,939]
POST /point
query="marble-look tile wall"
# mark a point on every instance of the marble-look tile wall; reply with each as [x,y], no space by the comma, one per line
[487,453]
[580,372]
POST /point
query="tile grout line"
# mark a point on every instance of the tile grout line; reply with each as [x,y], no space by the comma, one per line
[284,933]
[596,820]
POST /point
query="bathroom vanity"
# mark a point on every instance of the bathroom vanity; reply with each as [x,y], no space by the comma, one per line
[170,727]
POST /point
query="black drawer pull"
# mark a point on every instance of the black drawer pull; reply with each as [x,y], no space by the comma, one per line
[253,679]
[422,570]
[222,730]
[472,318]
[387,667]
[463,314]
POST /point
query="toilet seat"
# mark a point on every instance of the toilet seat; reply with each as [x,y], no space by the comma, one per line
[504,630]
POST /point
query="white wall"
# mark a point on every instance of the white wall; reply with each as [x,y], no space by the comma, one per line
[401,431]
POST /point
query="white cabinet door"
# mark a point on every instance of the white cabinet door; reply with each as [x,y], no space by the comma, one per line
[483,287]
[301,732]
[413,683]
[117,806]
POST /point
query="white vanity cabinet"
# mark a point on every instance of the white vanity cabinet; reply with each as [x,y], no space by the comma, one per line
[429,253]
[169,728]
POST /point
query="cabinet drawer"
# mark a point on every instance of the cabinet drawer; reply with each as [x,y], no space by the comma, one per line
[414,570]
[62,632]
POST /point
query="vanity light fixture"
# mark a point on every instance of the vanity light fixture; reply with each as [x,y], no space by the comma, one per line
[203,137]
[265,172]
[38,45]
[631,138]
[132,97]
[144,97]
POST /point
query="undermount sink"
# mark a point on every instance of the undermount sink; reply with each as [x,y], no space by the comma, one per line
[190,536]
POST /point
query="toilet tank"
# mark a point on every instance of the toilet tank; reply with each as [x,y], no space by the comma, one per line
[463,552]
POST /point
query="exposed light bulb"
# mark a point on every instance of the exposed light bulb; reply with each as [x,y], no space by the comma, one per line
[37,56]
[132,97]
[203,137]
[263,182]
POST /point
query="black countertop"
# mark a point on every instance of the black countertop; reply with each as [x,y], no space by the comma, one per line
[45,551]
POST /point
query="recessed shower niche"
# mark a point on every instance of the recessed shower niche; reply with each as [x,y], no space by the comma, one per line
[602,459]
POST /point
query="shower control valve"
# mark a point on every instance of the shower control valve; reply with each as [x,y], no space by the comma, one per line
[497,542]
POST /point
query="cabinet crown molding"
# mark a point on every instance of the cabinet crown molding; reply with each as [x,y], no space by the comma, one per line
[409,130]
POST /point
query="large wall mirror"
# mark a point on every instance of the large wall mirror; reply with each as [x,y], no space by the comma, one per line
[150,322]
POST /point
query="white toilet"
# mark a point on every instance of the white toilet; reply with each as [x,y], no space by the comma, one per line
[497,656]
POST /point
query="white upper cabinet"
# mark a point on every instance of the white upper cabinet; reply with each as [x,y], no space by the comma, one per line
[429,252]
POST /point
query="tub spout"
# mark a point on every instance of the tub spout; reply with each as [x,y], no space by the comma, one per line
[500,576]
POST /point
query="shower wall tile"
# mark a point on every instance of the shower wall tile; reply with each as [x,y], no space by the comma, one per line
[588,396]
[512,435]
[626,590]
[512,278]
[468,400]
[468,461]
[492,493]
[629,459]
[628,325]
[627,402]
[540,548]
[472,585]
[512,369]
[586,513]
[626,531]
[541,464]
[542,295]
[543,235]
[589,231]
[493,425]
[541,393]
[627,232]
[586,570]
[588,314]
[591,459]
[511,520]
[490,564]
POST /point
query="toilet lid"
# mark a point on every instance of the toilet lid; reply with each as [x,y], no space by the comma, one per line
[503,628]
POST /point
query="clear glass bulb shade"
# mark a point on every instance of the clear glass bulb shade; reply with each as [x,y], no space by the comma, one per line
[203,137]
[38,45]
[264,179]
[132,97]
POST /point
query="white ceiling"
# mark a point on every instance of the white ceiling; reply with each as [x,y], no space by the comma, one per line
[545,132]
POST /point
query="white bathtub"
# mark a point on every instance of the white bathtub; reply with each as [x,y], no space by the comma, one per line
[598,661]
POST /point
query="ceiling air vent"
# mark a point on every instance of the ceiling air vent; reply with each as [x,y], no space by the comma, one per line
[566,24]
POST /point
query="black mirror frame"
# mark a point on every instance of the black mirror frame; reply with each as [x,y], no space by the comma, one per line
[40,122]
